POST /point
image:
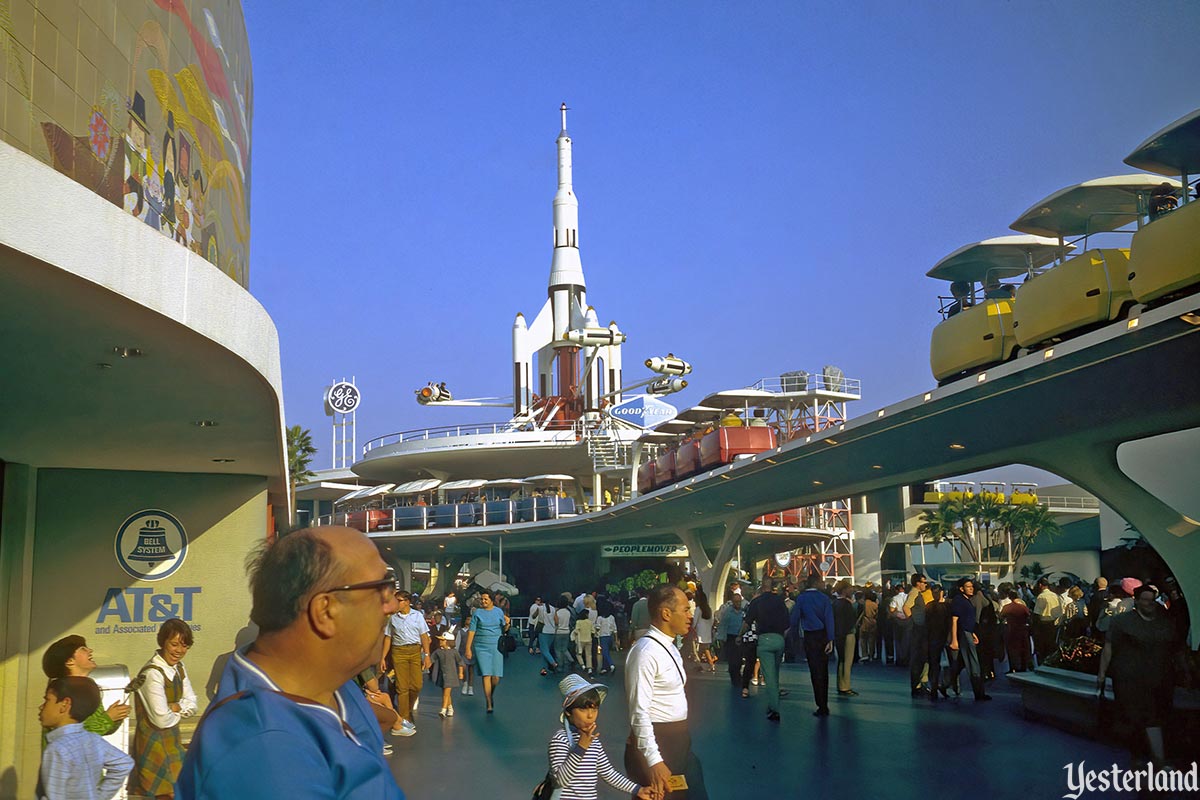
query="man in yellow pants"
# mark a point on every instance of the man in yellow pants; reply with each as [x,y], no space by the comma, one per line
[410,658]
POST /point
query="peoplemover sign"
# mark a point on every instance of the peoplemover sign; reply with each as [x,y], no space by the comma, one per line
[644,550]
[643,410]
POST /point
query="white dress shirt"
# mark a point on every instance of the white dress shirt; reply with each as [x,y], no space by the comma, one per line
[654,681]
[154,694]
[407,628]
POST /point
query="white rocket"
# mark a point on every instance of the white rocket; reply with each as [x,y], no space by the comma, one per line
[566,336]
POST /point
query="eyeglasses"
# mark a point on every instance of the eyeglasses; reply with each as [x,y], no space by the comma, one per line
[387,582]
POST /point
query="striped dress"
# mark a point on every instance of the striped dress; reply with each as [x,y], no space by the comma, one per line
[576,770]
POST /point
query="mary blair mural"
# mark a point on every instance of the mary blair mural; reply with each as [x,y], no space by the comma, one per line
[169,141]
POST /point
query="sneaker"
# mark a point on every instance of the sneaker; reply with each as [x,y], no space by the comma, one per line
[406,729]
[773,716]
[444,713]
[471,691]
[387,749]
[464,690]
[449,711]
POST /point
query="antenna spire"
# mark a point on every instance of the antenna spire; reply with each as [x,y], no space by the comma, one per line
[563,109]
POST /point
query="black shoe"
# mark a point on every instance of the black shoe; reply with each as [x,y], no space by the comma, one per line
[773,716]
[944,692]
[821,712]
[848,693]
[784,692]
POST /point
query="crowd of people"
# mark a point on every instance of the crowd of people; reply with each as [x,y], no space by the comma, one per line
[308,703]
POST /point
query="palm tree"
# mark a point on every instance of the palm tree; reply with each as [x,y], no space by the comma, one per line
[1024,524]
[947,522]
[984,512]
[300,455]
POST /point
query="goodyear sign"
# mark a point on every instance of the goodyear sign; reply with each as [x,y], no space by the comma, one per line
[643,410]
[644,551]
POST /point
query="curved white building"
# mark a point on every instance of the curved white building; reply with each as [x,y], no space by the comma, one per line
[141,421]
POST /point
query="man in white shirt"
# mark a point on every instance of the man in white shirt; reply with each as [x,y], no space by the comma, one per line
[537,615]
[901,627]
[409,636]
[658,752]
[1047,613]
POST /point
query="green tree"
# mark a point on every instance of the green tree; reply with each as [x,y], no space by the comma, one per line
[948,523]
[1024,524]
[300,455]
[982,529]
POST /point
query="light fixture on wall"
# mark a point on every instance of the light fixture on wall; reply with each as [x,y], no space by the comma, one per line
[224,460]
[128,352]
[206,423]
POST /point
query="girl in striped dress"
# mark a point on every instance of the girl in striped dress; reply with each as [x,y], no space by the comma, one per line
[577,757]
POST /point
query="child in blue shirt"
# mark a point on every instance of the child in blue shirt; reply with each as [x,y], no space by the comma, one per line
[77,764]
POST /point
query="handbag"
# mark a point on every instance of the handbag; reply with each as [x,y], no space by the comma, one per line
[546,789]
[506,643]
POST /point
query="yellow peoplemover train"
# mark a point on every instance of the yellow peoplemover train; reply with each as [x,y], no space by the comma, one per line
[991,317]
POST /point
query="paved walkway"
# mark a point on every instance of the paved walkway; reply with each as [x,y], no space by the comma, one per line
[881,742]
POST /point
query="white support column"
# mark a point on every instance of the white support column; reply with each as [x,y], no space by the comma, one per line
[1174,536]
[714,571]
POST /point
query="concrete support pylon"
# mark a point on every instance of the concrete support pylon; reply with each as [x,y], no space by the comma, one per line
[714,569]
[1173,535]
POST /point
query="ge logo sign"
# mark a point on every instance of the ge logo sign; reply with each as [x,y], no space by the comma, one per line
[343,397]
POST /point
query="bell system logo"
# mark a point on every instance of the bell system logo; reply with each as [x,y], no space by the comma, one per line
[151,545]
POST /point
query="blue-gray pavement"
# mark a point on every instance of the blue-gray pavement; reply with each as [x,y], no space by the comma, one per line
[881,742]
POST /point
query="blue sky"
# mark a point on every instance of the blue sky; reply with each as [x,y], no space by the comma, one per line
[762,186]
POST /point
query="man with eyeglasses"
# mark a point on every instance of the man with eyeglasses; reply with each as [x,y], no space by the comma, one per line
[288,719]
[409,635]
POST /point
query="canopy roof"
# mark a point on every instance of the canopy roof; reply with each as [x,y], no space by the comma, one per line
[417,486]
[1095,206]
[359,492]
[473,483]
[365,492]
[700,413]
[549,478]
[1175,150]
[1003,256]
[506,482]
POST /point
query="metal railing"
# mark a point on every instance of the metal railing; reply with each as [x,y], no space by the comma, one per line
[1057,501]
[801,381]
[449,516]
[479,429]
[1052,501]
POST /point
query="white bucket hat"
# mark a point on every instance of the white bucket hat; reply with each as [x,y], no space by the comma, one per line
[574,686]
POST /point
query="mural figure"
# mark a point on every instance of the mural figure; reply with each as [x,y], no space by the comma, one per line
[136,134]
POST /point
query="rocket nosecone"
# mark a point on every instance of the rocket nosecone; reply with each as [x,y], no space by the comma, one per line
[565,267]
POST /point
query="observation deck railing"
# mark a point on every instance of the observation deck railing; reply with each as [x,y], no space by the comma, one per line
[801,381]
[477,429]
